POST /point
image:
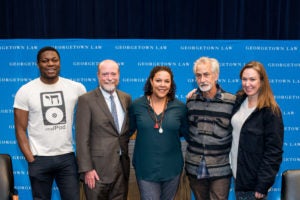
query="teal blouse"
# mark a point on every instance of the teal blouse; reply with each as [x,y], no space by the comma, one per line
[157,156]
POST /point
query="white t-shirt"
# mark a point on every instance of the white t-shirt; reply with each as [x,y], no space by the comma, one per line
[237,122]
[51,112]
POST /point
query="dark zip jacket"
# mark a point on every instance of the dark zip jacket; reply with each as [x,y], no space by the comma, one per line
[260,150]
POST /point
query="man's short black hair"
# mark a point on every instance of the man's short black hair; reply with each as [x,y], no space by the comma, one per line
[47,48]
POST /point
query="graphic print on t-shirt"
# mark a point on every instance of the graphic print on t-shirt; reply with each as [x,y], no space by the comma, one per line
[53,108]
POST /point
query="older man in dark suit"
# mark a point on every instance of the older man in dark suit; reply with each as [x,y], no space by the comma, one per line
[102,137]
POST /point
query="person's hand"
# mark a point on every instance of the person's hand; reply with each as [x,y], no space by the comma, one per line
[259,195]
[90,178]
[190,94]
[31,159]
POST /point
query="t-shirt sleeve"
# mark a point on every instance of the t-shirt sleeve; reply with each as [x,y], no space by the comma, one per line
[21,99]
[82,89]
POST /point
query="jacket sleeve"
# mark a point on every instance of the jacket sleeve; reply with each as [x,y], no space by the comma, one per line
[83,120]
[272,156]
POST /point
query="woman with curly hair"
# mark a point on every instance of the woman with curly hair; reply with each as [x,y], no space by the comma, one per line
[159,119]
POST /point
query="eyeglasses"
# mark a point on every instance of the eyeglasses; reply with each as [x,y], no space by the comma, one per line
[106,74]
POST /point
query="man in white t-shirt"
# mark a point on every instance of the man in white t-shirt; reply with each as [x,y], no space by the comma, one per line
[43,114]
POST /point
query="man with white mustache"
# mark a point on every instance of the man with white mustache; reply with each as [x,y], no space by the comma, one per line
[209,140]
[102,139]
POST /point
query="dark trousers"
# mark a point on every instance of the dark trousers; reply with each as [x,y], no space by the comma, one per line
[213,189]
[163,190]
[246,196]
[117,190]
[45,169]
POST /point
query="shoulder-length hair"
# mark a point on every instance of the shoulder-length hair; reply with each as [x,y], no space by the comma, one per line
[265,95]
[148,90]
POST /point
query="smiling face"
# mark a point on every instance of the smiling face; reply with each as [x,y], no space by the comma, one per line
[251,82]
[161,84]
[49,66]
[108,75]
[206,79]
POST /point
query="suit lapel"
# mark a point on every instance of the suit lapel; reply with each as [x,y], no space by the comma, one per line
[100,101]
[124,106]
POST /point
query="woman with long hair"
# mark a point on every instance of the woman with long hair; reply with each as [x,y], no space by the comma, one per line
[256,152]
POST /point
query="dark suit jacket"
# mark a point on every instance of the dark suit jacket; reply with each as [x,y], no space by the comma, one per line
[97,140]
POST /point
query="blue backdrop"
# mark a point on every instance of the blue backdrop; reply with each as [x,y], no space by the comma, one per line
[79,59]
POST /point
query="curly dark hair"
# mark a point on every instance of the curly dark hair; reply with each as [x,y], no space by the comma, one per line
[148,90]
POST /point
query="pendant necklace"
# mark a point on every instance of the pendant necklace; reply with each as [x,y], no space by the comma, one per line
[157,123]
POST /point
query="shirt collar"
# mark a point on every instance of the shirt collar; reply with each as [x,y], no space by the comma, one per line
[107,94]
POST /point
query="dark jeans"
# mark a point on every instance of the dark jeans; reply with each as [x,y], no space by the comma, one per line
[164,190]
[45,169]
[214,189]
[246,196]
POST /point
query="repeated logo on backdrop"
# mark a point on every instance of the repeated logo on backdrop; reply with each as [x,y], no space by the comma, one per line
[79,59]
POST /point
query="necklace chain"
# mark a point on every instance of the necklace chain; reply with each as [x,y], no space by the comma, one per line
[158,123]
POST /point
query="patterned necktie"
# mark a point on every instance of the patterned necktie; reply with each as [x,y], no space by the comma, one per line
[114,111]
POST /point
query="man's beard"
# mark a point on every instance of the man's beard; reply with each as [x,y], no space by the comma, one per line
[109,89]
[205,87]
